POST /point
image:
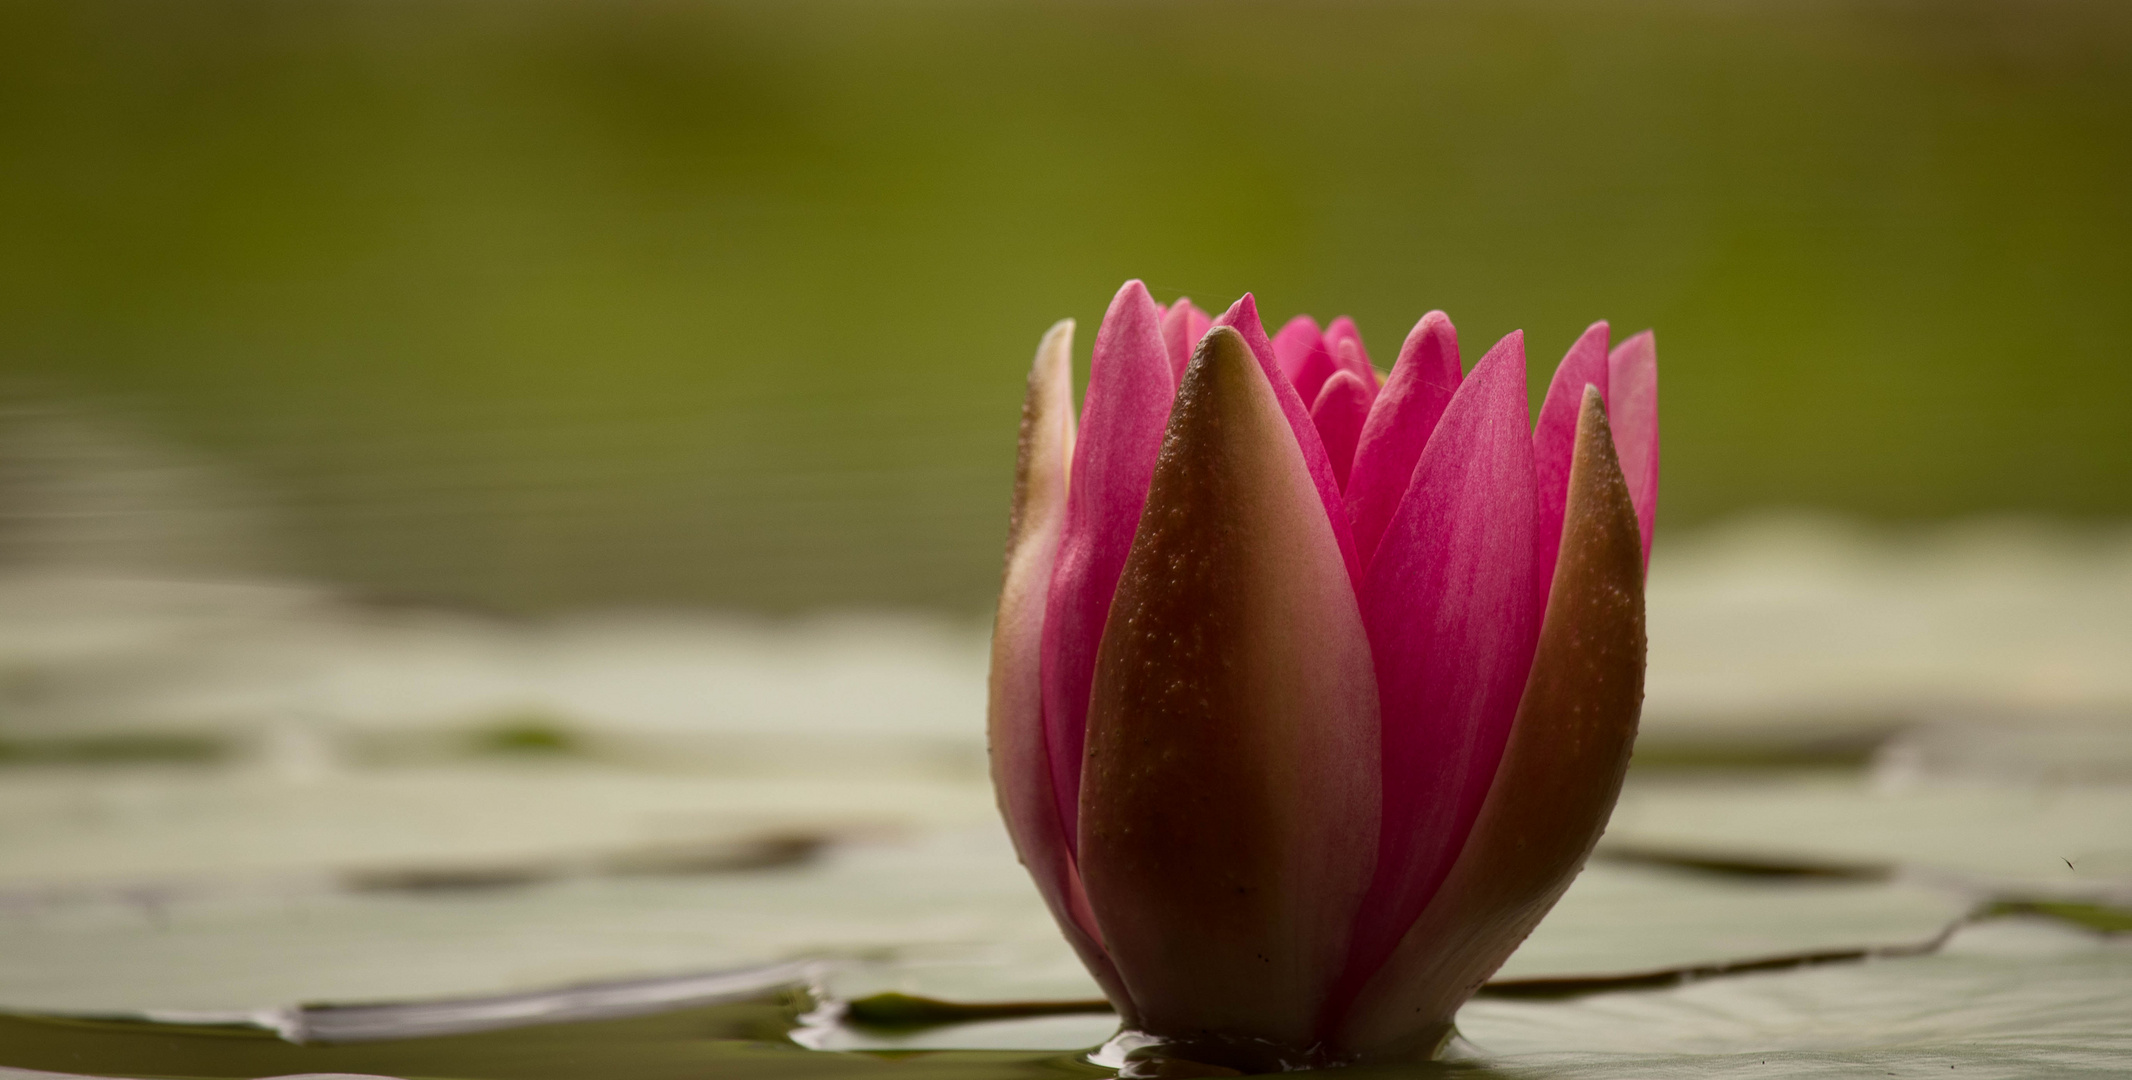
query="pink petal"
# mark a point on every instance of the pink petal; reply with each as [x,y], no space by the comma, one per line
[1349,356]
[1243,317]
[1304,356]
[1295,343]
[1021,765]
[1452,610]
[1554,438]
[1182,327]
[1342,408]
[1342,333]
[1399,425]
[1558,780]
[1128,403]
[1632,409]
[1228,814]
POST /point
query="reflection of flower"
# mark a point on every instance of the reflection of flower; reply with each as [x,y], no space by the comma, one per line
[1310,694]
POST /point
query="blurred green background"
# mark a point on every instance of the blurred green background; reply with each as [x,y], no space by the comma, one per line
[539,304]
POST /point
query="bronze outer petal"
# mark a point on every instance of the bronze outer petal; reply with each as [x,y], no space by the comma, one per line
[1229,799]
[1560,773]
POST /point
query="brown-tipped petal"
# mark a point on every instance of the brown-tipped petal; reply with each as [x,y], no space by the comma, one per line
[1554,434]
[1560,772]
[1229,796]
[1021,767]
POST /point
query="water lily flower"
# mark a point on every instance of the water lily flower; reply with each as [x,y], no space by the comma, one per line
[1311,691]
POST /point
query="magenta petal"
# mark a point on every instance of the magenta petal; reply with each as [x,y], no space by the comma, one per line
[1560,773]
[1305,356]
[1554,437]
[1632,408]
[1342,408]
[1021,763]
[1310,382]
[1453,613]
[1183,324]
[1400,422]
[1127,407]
[1349,357]
[1243,316]
[1294,344]
[1340,334]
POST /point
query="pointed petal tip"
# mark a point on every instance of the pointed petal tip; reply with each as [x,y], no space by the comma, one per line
[1509,350]
[1243,316]
[1346,380]
[1402,416]
[1045,447]
[1434,328]
[1134,292]
[1057,343]
[1344,329]
[1342,409]
[1586,360]
[1433,343]
[1221,344]
[1554,437]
